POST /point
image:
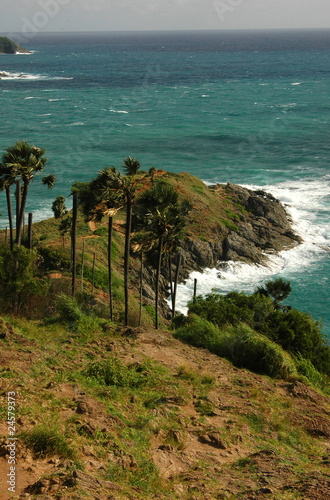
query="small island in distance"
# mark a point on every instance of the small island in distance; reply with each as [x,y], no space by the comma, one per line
[7,46]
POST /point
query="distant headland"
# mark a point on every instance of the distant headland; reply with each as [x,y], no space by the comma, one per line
[7,46]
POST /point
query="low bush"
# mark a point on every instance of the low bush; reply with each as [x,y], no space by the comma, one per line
[47,440]
[54,258]
[308,370]
[20,282]
[295,331]
[113,372]
[244,347]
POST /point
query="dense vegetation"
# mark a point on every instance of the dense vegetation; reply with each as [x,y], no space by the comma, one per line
[7,46]
[257,332]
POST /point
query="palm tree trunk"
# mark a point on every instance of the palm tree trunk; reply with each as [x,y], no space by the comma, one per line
[93,273]
[21,213]
[82,266]
[160,251]
[176,283]
[170,276]
[18,202]
[30,231]
[141,289]
[110,225]
[73,240]
[126,257]
[10,218]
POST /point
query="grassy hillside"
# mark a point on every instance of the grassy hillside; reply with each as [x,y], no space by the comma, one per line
[108,412]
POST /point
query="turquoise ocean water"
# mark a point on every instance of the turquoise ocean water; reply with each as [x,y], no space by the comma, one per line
[249,108]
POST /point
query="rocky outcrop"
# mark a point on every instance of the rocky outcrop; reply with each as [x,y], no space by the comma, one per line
[266,228]
[262,227]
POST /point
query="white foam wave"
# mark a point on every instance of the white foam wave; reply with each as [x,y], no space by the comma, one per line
[118,111]
[5,75]
[307,204]
[24,53]
[60,78]
[75,124]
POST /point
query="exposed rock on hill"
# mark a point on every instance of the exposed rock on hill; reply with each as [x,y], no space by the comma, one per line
[255,224]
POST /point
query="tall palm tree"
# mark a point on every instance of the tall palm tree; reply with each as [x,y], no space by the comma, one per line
[107,194]
[74,239]
[25,162]
[131,167]
[160,212]
[103,196]
[7,179]
[141,243]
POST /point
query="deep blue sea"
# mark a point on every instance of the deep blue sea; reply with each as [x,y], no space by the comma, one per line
[251,108]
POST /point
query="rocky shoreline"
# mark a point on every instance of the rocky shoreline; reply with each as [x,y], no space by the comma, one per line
[264,228]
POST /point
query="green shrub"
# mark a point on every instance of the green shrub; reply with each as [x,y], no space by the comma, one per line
[198,332]
[47,440]
[232,215]
[55,258]
[114,373]
[229,224]
[19,280]
[248,349]
[69,309]
[101,231]
[308,370]
[151,311]
[295,331]
[244,347]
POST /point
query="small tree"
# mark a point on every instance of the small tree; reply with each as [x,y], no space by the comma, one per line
[277,289]
[59,207]
[7,179]
[152,173]
[18,279]
[65,227]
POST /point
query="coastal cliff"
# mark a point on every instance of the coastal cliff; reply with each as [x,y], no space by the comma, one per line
[227,222]
[7,46]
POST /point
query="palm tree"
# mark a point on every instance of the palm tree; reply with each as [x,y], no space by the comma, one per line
[59,207]
[161,213]
[152,173]
[107,194]
[74,239]
[131,167]
[65,227]
[7,179]
[141,243]
[103,196]
[24,162]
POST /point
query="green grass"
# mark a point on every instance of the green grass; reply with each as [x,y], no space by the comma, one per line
[47,440]
[241,345]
